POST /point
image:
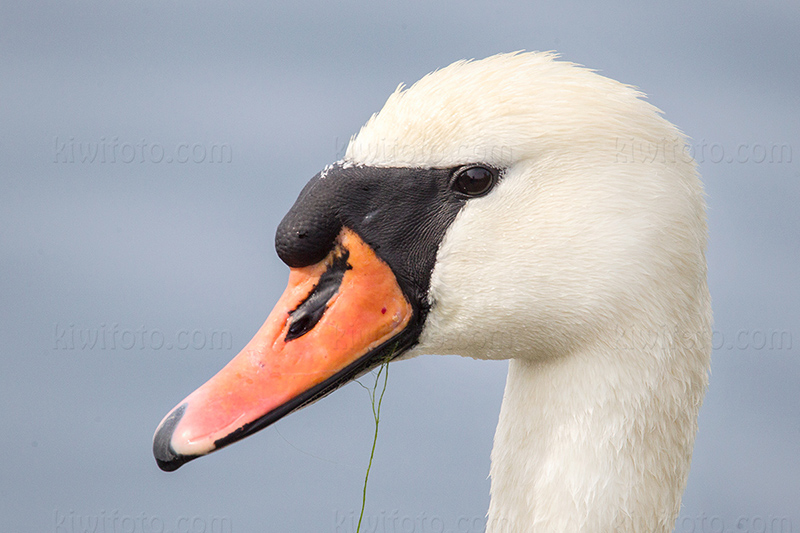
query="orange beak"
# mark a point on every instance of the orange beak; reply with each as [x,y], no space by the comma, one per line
[335,320]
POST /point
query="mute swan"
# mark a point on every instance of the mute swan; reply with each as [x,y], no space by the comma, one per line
[496,210]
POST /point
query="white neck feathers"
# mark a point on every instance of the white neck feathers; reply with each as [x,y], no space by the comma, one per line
[600,440]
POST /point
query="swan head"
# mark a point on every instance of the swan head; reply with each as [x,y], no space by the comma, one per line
[598,215]
[512,207]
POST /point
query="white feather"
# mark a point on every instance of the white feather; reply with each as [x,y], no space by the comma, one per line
[584,266]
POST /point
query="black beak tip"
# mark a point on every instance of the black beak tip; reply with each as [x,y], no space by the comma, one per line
[168,459]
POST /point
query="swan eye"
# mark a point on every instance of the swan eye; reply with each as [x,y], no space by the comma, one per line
[474,181]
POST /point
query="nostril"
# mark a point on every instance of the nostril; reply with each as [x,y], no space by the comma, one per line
[300,326]
[310,311]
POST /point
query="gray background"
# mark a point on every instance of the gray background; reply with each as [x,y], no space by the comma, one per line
[184,250]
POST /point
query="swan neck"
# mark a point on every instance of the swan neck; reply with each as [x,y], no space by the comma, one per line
[597,440]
